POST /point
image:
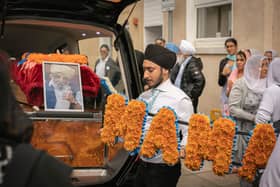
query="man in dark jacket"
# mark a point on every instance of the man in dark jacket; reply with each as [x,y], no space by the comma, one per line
[187,73]
[105,66]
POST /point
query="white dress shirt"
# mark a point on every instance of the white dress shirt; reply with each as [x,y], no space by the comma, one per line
[166,94]
[100,67]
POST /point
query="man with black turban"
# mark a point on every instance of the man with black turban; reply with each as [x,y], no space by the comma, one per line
[157,64]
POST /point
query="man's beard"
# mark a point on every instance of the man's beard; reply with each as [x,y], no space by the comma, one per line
[158,81]
[59,86]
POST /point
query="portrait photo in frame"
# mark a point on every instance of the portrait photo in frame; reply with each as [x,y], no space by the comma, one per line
[62,87]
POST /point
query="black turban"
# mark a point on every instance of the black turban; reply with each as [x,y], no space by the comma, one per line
[160,56]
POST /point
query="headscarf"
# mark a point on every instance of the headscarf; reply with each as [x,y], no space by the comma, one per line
[160,56]
[231,57]
[273,76]
[186,48]
[252,73]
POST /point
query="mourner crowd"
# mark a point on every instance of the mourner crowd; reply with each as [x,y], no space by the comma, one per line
[173,76]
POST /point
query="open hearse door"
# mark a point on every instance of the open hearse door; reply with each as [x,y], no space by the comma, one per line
[44,38]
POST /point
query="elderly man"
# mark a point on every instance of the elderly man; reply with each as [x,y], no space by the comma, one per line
[187,73]
[157,64]
[60,94]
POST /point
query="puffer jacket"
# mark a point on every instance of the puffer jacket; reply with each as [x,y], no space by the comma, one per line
[193,80]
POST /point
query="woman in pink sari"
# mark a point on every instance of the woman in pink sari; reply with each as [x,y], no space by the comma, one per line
[238,71]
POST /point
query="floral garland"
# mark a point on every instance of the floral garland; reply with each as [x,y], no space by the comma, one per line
[220,145]
[199,129]
[258,151]
[114,108]
[131,125]
[162,135]
[40,58]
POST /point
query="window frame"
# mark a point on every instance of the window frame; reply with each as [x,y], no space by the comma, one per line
[204,45]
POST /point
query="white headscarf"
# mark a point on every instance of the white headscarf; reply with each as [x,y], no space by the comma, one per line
[273,76]
[186,48]
[254,52]
[252,73]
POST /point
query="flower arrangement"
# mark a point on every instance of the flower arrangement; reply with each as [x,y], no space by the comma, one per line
[258,151]
[114,109]
[162,134]
[131,124]
[220,143]
[40,57]
[196,148]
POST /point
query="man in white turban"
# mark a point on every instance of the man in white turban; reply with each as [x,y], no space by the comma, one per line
[187,73]
[60,94]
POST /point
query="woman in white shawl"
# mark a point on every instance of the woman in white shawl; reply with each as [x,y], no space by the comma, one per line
[269,111]
[244,101]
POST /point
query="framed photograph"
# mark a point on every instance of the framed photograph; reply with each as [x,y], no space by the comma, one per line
[62,87]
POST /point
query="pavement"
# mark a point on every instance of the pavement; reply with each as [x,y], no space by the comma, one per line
[206,178]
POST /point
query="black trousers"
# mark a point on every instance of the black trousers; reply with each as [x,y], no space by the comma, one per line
[157,175]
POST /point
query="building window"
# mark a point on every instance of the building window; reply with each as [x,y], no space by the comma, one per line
[209,24]
[214,22]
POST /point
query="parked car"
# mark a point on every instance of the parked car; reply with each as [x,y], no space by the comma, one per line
[48,27]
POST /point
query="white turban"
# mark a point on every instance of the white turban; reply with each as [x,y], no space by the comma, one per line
[186,47]
[63,69]
[252,71]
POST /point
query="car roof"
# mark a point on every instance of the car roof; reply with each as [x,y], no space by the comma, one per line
[99,11]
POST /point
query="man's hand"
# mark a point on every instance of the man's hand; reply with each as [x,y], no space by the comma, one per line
[70,97]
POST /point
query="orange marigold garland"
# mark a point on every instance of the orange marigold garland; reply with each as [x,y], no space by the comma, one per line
[40,58]
[258,151]
[114,109]
[131,125]
[196,148]
[162,134]
[220,144]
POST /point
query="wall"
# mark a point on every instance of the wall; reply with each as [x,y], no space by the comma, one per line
[276,25]
[179,22]
[210,97]
[249,26]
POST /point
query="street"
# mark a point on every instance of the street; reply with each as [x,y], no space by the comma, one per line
[206,178]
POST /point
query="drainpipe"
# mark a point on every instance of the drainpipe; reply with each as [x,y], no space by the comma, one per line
[170,26]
